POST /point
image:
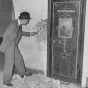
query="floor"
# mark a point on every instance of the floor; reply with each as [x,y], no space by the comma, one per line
[36,81]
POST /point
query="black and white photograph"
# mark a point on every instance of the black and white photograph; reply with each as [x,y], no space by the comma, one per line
[43,44]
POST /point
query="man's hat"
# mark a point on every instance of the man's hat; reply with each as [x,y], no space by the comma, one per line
[24,15]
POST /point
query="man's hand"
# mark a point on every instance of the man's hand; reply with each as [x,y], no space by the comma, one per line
[33,33]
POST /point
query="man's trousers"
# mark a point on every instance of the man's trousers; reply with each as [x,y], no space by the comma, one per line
[13,60]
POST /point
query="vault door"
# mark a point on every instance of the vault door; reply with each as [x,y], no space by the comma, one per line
[66,39]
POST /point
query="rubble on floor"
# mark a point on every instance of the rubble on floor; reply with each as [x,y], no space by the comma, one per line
[35,81]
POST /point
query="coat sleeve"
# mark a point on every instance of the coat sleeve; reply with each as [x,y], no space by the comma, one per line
[8,31]
[26,34]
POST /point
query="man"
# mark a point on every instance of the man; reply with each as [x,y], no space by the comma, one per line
[13,58]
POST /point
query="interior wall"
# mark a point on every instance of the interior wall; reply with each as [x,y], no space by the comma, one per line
[85,55]
[34,48]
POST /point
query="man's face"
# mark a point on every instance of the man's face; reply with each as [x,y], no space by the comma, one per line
[26,21]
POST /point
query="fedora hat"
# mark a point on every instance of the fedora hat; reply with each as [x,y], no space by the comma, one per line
[24,15]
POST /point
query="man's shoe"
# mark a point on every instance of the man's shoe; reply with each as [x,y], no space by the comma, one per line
[8,84]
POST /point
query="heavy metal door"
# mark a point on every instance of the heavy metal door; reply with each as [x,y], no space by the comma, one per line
[65,37]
